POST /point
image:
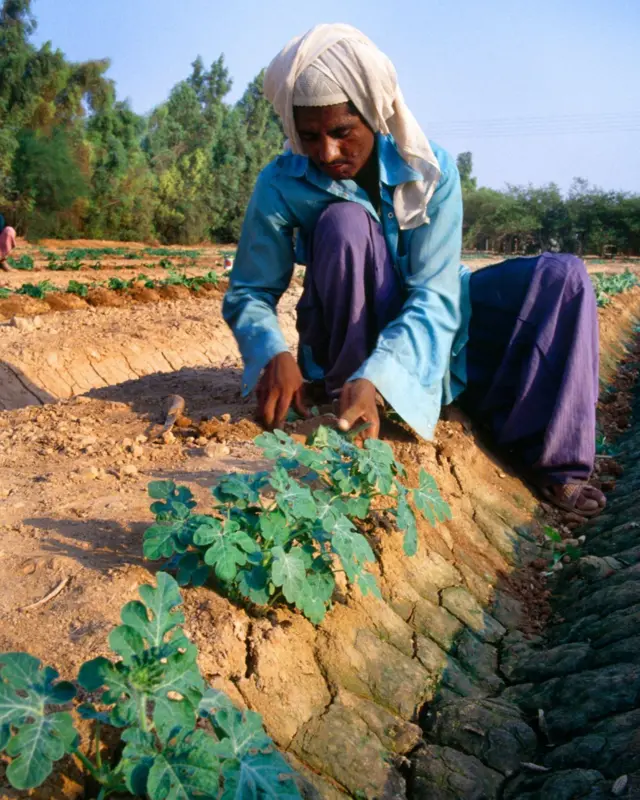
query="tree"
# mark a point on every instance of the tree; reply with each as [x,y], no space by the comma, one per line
[465,168]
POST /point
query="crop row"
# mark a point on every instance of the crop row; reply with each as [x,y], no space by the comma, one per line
[608,285]
[41,289]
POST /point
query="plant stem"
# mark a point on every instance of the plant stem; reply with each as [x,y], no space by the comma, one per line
[142,713]
[86,763]
[97,746]
[275,597]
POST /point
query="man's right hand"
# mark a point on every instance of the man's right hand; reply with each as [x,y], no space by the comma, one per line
[279,388]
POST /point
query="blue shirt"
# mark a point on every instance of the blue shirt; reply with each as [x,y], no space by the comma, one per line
[419,360]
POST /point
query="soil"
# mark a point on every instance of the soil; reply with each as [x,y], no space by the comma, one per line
[85,395]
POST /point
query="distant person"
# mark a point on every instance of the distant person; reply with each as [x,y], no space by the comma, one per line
[7,243]
[386,305]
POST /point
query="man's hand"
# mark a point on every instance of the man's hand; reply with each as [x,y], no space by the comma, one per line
[358,405]
[278,389]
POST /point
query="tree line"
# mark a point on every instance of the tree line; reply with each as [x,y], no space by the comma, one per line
[77,162]
[531,219]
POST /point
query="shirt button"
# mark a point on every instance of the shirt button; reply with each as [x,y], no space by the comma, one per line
[390,215]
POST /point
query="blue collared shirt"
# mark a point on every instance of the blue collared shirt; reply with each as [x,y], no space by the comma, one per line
[419,359]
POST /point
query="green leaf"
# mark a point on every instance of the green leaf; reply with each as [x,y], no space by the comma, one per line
[32,735]
[242,729]
[36,746]
[327,512]
[213,701]
[317,592]
[207,533]
[161,540]
[429,501]
[229,551]
[161,490]
[186,769]
[274,527]
[126,642]
[259,776]
[375,464]
[159,604]
[351,547]
[296,501]
[355,506]
[254,583]
[288,571]
[239,489]
[368,584]
[278,446]
[407,523]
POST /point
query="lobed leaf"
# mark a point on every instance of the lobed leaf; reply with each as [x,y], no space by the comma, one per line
[429,501]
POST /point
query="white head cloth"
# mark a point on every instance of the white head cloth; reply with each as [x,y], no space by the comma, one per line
[332,64]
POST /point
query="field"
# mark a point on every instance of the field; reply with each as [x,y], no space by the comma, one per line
[424,688]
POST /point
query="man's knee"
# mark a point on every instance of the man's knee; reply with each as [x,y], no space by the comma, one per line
[343,220]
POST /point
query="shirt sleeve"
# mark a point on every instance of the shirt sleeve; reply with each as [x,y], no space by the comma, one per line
[410,363]
[261,274]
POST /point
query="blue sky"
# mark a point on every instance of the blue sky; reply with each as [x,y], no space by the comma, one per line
[560,77]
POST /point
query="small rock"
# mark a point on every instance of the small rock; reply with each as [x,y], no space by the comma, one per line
[619,785]
[22,324]
[88,441]
[29,568]
[130,470]
[137,451]
[168,437]
[127,444]
[216,450]
[142,439]
[225,418]
[89,473]
[83,400]
[202,441]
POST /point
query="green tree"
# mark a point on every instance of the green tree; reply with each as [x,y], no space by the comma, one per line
[465,168]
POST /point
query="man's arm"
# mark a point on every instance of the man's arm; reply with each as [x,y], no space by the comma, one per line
[261,274]
[413,351]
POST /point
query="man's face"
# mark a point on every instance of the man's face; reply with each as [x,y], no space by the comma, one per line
[335,138]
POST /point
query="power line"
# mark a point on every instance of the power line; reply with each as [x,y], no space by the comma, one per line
[558,125]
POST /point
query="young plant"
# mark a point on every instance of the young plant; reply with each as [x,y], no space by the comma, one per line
[118,284]
[37,290]
[180,739]
[558,549]
[77,288]
[282,535]
[23,263]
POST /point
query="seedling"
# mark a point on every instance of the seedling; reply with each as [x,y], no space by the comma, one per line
[23,263]
[77,288]
[181,739]
[281,536]
[558,549]
[37,290]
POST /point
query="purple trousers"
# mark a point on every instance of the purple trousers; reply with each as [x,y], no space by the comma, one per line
[532,354]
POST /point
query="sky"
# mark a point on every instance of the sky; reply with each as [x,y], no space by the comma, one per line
[539,92]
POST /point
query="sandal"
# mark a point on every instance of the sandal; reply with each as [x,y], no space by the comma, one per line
[578,498]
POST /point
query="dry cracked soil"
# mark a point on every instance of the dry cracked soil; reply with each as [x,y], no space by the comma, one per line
[433,691]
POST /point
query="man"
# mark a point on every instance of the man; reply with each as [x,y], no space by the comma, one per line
[7,243]
[387,307]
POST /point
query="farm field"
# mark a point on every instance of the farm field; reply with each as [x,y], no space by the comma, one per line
[425,687]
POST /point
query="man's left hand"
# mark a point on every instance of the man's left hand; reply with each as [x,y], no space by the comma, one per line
[358,405]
